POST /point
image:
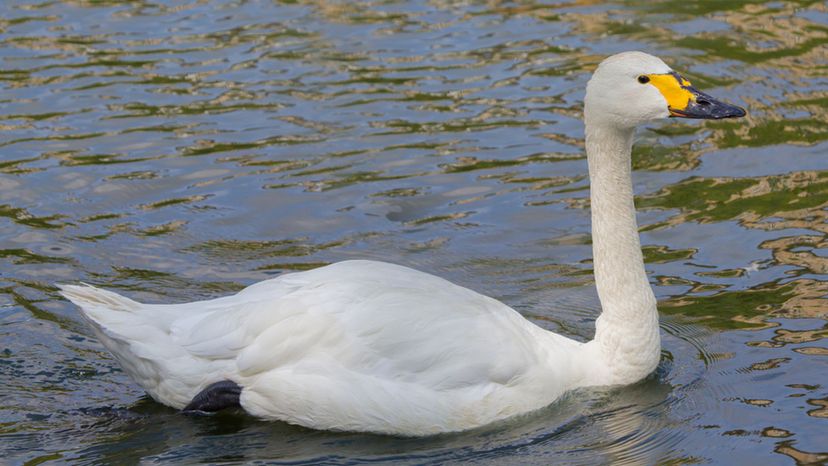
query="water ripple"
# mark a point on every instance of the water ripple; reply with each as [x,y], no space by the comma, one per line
[182,150]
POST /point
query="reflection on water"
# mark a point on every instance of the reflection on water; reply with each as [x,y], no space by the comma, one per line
[182,150]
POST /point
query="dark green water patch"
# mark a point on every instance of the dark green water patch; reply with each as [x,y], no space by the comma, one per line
[718,199]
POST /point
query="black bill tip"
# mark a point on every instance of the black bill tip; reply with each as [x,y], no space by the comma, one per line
[708,108]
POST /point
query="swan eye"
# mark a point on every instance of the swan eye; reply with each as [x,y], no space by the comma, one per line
[643,79]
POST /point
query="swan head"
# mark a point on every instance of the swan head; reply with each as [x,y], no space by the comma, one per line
[632,88]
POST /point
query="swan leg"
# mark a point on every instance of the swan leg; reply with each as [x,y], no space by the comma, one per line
[216,396]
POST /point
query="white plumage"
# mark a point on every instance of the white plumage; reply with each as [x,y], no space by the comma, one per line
[357,345]
[375,347]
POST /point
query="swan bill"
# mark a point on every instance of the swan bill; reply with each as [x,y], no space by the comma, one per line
[685,101]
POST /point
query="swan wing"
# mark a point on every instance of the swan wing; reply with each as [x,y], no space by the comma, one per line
[371,317]
[361,345]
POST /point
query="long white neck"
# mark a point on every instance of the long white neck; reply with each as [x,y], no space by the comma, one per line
[626,333]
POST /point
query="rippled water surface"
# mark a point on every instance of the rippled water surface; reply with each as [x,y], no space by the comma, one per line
[181,150]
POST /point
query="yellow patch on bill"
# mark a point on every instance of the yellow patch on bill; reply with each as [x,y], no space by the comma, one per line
[674,88]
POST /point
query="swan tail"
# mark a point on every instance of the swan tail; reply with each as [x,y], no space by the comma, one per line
[117,321]
[109,313]
[139,341]
[87,297]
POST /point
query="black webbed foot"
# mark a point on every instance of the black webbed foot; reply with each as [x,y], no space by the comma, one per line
[216,396]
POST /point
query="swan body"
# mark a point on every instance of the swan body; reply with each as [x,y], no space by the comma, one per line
[376,347]
[356,345]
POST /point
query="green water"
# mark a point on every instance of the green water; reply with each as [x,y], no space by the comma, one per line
[175,151]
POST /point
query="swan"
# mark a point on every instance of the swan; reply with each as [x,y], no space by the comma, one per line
[376,347]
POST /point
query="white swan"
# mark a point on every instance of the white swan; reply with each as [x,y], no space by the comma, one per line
[375,347]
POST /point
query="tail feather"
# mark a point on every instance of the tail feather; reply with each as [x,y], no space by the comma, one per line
[139,342]
[87,296]
[116,316]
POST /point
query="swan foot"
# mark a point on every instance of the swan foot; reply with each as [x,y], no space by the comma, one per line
[216,396]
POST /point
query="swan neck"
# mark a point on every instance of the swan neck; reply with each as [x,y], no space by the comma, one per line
[627,329]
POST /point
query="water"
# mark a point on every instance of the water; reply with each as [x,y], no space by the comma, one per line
[175,151]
